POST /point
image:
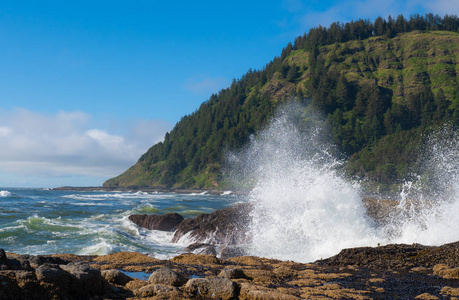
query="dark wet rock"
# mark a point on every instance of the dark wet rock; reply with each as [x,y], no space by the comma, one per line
[38,260]
[226,226]
[166,222]
[85,279]
[231,251]
[198,248]
[3,258]
[212,288]
[19,263]
[116,277]
[397,256]
[232,273]
[166,276]
[53,274]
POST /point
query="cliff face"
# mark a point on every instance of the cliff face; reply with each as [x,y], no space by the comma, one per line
[379,95]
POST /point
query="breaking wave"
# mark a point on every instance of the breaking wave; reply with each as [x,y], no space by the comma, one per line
[5,194]
[305,209]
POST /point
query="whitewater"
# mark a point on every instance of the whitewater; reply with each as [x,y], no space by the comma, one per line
[42,221]
[305,208]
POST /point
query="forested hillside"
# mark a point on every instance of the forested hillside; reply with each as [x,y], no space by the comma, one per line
[382,86]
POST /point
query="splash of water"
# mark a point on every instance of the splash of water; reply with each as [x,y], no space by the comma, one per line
[304,209]
[429,207]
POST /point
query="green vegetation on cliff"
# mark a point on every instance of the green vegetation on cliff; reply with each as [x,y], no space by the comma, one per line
[382,86]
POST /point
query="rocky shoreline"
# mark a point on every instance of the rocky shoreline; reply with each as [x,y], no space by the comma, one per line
[385,272]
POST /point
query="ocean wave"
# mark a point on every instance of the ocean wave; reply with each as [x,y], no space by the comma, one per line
[146,209]
[199,194]
[225,193]
[101,248]
[106,196]
[5,194]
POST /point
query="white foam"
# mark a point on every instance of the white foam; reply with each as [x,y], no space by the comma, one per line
[101,248]
[5,194]
[432,217]
[305,210]
[137,195]
[225,193]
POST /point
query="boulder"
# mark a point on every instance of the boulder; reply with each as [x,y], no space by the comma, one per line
[116,277]
[158,290]
[232,273]
[198,248]
[228,226]
[212,288]
[231,251]
[85,279]
[166,222]
[166,276]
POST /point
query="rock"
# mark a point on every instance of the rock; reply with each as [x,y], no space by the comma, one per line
[38,260]
[426,296]
[166,222]
[249,291]
[389,256]
[446,272]
[247,260]
[198,248]
[116,277]
[166,276]
[197,259]
[232,273]
[231,251]
[20,263]
[122,259]
[226,226]
[214,288]
[454,292]
[136,284]
[52,273]
[158,290]
[85,279]
[3,258]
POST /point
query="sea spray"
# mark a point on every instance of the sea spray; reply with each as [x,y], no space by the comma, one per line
[302,208]
[429,207]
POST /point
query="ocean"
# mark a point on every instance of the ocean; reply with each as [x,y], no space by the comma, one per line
[43,221]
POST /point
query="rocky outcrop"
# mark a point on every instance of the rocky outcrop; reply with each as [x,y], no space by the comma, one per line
[386,272]
[226,226]
[397,256]
[166,222]
[40,277]
[214,233]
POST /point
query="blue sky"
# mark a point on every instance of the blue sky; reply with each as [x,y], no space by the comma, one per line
[86,87]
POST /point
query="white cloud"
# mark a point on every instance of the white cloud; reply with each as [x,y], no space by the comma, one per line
[66,145]
[5,131]
[442,7]
[206,85]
